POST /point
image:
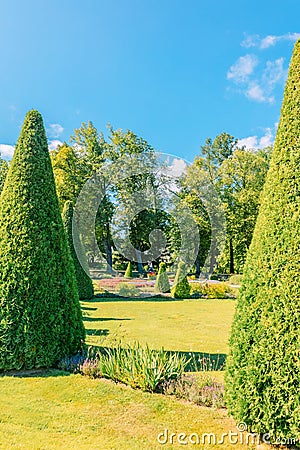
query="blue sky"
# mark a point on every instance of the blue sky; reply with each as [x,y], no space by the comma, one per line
[174,72]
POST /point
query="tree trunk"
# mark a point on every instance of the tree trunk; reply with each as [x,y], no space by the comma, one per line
[231,256]
[108,249]
[139,261]
[198,267]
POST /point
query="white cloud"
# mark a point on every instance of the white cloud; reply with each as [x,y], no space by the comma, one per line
[271,40]
[177,168]
[274,73]
[257,85]
[251,41]
[255,40]
[268,41]
[249,142]
[55,130]
[53,144]
[7,151]
[255,142]
[255,92]
[267,139]
[240,71]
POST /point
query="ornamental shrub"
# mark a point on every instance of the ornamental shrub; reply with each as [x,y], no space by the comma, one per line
[235,279]
[84,282]
[128,272]
[40,316]
[263,368]
[162,281]
[128,290]
[181,287]
[139,367]
[212,290]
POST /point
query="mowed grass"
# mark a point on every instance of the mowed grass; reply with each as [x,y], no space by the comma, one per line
[58,411]
[185,325]
[75,412]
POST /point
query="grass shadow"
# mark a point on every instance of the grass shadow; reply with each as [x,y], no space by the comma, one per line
[35,373]
[104,298]
[102,319]
[88,308]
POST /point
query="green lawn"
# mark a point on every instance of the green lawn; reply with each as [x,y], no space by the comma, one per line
[58,411]
[185,325]
[74,412]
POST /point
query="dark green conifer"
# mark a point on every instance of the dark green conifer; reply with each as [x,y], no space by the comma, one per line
[263,368]
[40,316]
[84,282]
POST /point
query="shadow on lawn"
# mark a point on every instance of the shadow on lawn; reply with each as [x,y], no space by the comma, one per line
[35,373]
[88,308]
[99,298]
[101,319]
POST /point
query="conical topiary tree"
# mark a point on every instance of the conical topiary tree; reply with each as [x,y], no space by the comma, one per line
[40,316]
[84,282]
[181,287]
[263,368]
[162,281]
[128,272]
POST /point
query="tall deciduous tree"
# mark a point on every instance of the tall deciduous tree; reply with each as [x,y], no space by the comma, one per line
[137,194]
[69,173]
[92,152]
[237,176]
[242,177]
[40,316]
[84,282]
[263,369]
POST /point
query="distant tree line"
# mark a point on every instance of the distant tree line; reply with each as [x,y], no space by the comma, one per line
[235,173]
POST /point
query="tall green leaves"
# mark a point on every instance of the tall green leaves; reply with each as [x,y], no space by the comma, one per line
[40,317]
[84,282]
[263,370]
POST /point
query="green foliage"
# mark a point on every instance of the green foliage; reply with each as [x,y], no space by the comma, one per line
[263,369]
[91,153]
[212,290]
[203,390]
[187,202]
[40,316]
[181,287]
[69,174]
[84,282]
[235,279]
[137,366]
[3,172]
[241,179]
[162,281]
[127,290]
[128,272]
[237,177]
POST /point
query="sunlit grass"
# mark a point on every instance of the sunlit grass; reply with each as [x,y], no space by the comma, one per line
[75,412]
[185,325]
